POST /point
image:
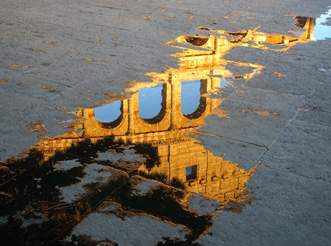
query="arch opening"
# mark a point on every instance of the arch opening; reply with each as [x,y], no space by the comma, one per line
[193,104]
[109,115]
[152,102]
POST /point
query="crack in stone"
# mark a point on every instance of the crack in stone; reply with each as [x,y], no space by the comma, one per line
[236,140]
[107,7]
[297,174]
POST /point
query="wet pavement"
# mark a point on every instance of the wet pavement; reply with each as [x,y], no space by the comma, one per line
[164,123]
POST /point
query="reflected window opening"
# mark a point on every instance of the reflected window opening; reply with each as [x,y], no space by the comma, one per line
[191,172]
[190,96]
[150,101]
[109,112]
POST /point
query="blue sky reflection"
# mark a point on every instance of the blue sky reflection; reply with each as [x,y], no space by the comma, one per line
[108,113]
[150,100]
[322,31]
[190,96]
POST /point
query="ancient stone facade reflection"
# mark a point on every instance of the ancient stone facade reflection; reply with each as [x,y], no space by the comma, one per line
[180,157]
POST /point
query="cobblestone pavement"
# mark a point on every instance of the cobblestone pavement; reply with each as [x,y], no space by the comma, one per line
[249,164]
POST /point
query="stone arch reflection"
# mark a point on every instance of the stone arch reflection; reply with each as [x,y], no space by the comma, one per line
[109,115]
[192,102]
[152,103]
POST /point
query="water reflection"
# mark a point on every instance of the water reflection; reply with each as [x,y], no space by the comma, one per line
[108,113]
[124,145]
[150,102]
[222,42]
[322,31]
[190,96]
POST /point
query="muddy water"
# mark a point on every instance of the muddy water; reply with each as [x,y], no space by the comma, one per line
[133,162]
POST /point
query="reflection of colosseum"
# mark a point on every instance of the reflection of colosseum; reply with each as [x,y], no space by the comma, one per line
[180,157]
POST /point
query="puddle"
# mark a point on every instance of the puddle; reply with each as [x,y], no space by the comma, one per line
[136,151]
[321,30]
[317,28]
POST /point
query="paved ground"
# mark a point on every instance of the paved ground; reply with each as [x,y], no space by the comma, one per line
[54,42]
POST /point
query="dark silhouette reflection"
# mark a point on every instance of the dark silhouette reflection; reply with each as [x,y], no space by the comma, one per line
[197,40]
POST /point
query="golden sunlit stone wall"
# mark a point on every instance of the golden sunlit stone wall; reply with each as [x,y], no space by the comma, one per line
[215,177]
